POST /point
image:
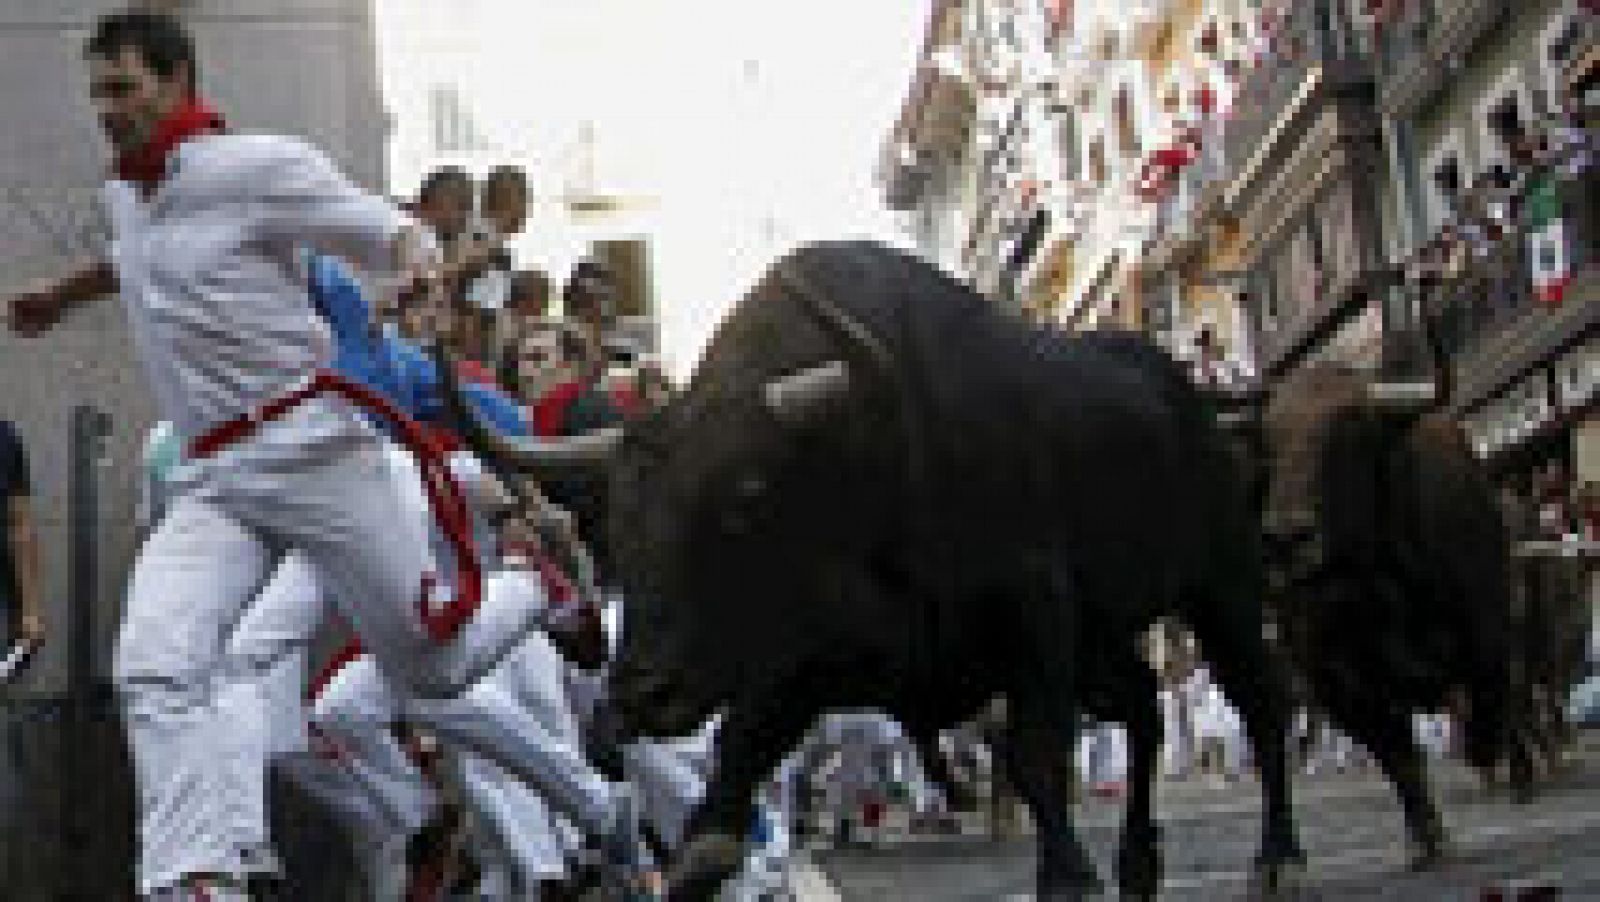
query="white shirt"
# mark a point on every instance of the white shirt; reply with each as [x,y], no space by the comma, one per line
[209,269]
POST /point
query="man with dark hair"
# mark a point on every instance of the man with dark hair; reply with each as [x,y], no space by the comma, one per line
[211,231]
[444,203]
[21,602]
[504,203]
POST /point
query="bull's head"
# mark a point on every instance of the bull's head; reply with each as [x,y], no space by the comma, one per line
[1282,437]
[707,497]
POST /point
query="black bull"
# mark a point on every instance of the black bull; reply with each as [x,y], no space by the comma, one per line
[878,491]
[1392,575]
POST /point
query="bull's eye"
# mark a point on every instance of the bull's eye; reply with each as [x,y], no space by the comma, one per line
[750,486]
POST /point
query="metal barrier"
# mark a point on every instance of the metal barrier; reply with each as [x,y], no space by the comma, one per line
[67,825]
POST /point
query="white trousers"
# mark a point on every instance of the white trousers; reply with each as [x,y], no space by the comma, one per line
[258,713]
[533,840]
[519,709]
[315,481]
[361,775]
[669,786]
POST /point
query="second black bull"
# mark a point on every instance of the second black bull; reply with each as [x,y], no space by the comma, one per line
[879,491]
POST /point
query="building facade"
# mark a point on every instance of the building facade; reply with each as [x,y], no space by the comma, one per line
[1300,179]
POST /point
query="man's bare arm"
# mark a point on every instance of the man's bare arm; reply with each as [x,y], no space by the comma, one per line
[35,311]
[25,553]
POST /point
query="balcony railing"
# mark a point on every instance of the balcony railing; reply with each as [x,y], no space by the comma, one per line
[1423,41]
[1181,214]
[1490,292]
[1314,40]
[1402,45]
[1491,299]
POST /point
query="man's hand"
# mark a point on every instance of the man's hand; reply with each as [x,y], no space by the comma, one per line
[33,313]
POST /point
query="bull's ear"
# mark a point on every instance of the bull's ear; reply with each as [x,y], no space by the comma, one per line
[800,396]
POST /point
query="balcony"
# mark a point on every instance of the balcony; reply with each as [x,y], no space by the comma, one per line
[1490,324]
[1577,53]
[934,129]
[1182,216]
[1319,57]
[1424,44]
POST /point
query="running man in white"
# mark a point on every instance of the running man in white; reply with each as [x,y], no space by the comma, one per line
[208,228]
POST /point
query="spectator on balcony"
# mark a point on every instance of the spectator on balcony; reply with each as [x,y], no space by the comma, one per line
[1588,504]
[1553,493]
[21,595]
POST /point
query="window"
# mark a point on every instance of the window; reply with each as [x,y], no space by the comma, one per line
[1097,160]
[1443,176]
[1506,128]
[1503,118]
[1260,298]
[453,128]
[1071,152]
[1559,44]
[1127,129]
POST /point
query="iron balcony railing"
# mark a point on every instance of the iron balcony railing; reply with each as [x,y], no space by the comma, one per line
[1421,42]
[1314,48]
[1494,290]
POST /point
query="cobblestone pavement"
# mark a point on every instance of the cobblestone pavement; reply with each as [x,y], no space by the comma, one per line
[1350,826]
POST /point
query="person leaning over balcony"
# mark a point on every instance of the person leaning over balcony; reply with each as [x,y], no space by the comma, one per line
[21,595]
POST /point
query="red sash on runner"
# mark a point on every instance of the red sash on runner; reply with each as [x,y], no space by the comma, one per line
[444,494]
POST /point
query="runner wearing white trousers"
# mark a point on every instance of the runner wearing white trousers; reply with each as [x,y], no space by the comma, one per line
[258,709]
[362,775]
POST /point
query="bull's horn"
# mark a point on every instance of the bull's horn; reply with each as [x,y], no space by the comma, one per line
[1234,420]
[1403,396]
[576,452]
[792,398]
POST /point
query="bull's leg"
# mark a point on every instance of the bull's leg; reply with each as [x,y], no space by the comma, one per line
[1231,633]
[1139,859]
[1038,755]
[755,735]
[1386,732]
[1041,735]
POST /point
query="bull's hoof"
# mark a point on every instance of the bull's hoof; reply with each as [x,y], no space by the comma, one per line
[1073,888]
[1430,844]
[1087,892]
[1278,876]
[1139,868]
[1431,855]
[703,866]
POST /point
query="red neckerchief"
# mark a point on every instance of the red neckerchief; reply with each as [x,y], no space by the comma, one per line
[550,411]
[147,166]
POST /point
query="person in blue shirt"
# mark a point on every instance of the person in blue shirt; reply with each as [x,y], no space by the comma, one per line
[378,356]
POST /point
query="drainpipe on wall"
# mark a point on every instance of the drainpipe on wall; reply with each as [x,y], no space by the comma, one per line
[1402,318]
